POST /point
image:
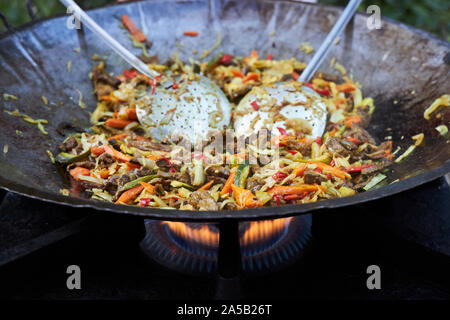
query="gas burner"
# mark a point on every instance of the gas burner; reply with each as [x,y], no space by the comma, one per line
[192,248]
[184,247]
[271,245]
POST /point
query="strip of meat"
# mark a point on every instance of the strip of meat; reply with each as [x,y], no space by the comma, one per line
[150,146]
[203,201]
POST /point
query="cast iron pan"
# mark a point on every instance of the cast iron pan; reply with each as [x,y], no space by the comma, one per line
[402,68]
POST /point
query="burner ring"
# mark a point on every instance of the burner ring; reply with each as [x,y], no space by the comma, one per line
[192,248]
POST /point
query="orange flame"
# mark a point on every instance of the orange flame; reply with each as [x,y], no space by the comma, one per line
[202,235]
[257,231]
[261,230]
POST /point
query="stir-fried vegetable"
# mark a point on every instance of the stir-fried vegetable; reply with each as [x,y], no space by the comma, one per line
[241,174]
[245,198]
[441,101]
[117,161]
[130,195]
[374,181]
[138,181]
[227,187]
[135,32]
[442,129]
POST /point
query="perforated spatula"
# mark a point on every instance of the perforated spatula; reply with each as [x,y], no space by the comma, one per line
[192,109]
[302,107]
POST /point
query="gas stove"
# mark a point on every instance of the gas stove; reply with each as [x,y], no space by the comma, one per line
[319,256]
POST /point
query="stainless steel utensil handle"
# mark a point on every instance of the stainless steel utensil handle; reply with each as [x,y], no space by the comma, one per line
[112,43]
[320,55]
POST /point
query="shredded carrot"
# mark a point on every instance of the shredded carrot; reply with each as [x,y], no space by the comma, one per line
[135,32]
[191,33]
[300,169]
[117,123]
[97,150]
[245,198]
[104,173]
[109,98]
[237,73]
[131,114]
[345,87]
[131,166]
[349,121]
[295,75]
[130,195]
[206,186]
[77,171]
[153,157]
[251,76]
[254,54]
[119,136]
[117,154]
[171,110]
[287,190]
[148,187]
[334,171]
[227,187]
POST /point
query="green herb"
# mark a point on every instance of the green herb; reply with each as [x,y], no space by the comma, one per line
[442,129]
[405,154]
[179,184]
[242,173]
[67,158]
[7,96]
[374,181]
[134,183]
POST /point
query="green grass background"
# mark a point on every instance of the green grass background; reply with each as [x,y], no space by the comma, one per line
[430,15]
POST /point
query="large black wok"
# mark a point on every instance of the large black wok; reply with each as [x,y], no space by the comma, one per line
[395,64]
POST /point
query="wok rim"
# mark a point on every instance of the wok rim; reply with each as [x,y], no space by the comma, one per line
[246,214]
[263,213]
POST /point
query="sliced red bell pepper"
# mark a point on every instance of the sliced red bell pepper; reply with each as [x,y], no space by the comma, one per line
[277,198]
[144,201]
[226,59]
[357,168]
[279,176]
[352,139]
[323,92]
[319,141]
[130,74]
[255,105]
[282,131]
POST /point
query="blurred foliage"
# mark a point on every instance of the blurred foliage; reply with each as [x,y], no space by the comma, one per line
[430,15]
[17,14]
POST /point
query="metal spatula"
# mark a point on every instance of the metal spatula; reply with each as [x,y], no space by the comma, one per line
[302,108]
[191,110]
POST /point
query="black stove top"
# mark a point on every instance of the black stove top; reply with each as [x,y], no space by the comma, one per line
[406,235]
